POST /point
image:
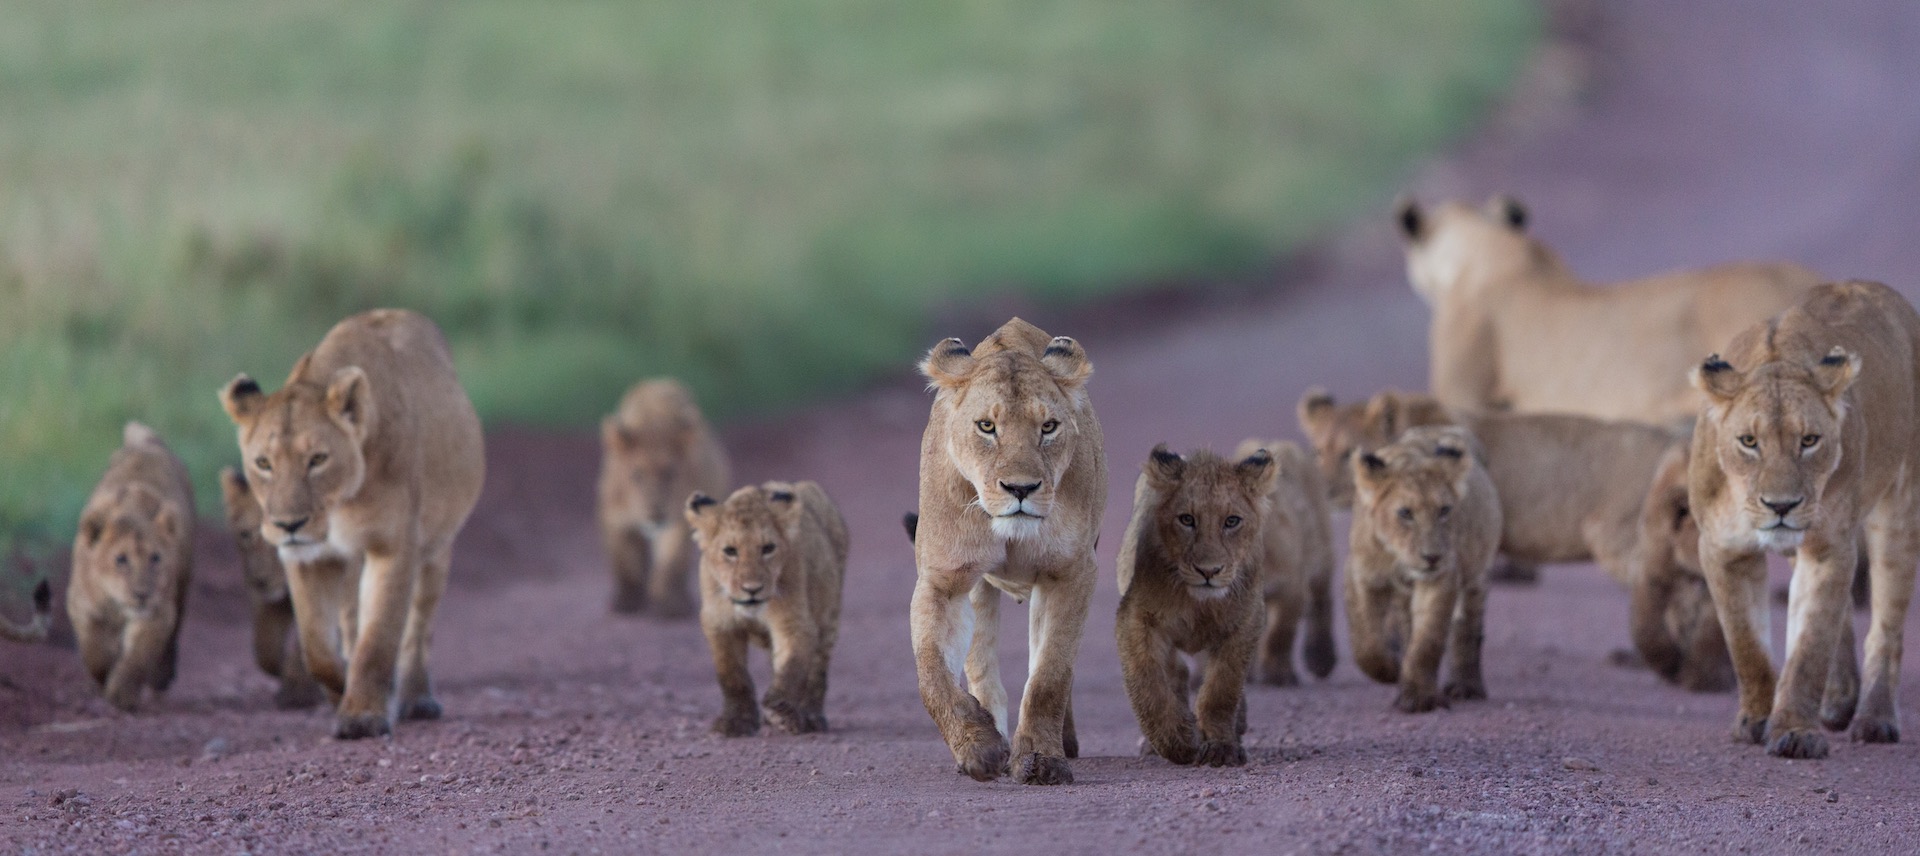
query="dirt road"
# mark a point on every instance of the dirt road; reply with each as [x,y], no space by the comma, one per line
[1703,132]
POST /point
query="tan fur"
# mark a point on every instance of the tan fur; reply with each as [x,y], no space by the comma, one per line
[34,627]
[132,562]
[1514,329]
[772,561]
[656,450]
[1818,413]
[266,579]
[1297,574]
[365,465]
[1425,524]
[1030,391]
[1673,621]
[1572,489]
[1190,570]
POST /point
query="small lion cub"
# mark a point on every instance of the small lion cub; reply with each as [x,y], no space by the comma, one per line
[1297,575]
[132,560]
[1190,582]
[1426,522]
[656,451]
[772,559]
[276,645]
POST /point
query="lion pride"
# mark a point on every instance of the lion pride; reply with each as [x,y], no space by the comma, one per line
[365,464]
[1013,481]
[1810,435]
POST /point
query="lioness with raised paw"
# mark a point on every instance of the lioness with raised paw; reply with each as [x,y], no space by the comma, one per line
[132,561]
[1572,489]
[1190,583]
[656,450]
[1425,524]
[1514,329]
[772,560]
[1296,573]
[276,647]
[1811,434]
[1013,481]
[365,465]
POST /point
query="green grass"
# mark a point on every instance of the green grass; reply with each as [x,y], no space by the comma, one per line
[763,198]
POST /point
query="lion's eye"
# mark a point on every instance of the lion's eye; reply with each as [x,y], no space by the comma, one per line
[315,461]
[1232,521]
[1809,441]
[1405,515]
[730,552]
[1049,426]
[1443,511]
[766,549]
[1186,520]
[262,464]
[985,426]
[153,559]
[1747,440]
[120,560]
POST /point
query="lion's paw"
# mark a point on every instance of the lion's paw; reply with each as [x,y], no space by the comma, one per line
[356,726]
[1221,754]
[1750,729]
[1038,769]
[1798,743]
[793,719]
[1412,700]
[424,708]
[1873,730]
[1318,653]
[983,757]
[741,724]
[1474,690]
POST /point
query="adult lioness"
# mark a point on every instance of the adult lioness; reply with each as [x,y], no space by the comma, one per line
[272,605]
[1513,328]
[132,561]
[1190,569]
[772,560]
[1572,489]
[365,464]
[1425,523]
[656,451]
[1811,432]
[1297,571]
[1012,485]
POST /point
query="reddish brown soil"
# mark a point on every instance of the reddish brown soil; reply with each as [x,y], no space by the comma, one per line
[1697,132]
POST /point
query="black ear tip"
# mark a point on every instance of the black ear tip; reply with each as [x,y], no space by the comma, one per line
[1715,364]
[1259,458]
[1373,461]
[780,496]
[1515,212]
[243,385]
[43,596]
[1164,456]
[912,522]
[1836,357]
[1409,217]
[1448,450]
[701,500]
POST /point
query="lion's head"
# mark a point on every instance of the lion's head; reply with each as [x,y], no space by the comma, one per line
[302,448]
[131,542]
[260,566]
[649,446]
[743,541]
[1340,431]
[1775,432]
[1208,515]
[1013,419]
[1408,490]
[1453,243]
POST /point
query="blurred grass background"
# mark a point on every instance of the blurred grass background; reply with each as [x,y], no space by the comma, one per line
[762,198]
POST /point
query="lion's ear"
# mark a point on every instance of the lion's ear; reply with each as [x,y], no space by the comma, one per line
[1383,413]
[1368,470]
[1314,410]
[1835,373]
[167,521]
[785,504]
[1508,211]
[241,397]
[92,526]
[1066,361]
[1450,449]
[949,364]
[699,508]
[1717,378]
[1406,212]
[233,487]
[1164,468]
[1257,473]
[613,436]
[350,400]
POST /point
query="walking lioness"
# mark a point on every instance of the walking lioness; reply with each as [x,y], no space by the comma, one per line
[365,464]
[656,450]
[1012,485]
[1811,432]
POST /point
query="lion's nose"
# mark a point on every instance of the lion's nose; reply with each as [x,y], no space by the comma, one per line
[1781,506]
[291,526]
[1020,491]
[1209,573]
[752,588]
[1432,559]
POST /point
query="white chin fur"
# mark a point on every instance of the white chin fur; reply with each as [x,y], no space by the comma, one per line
[304,552]
[1207,593]
[1779,540]
[1017,528]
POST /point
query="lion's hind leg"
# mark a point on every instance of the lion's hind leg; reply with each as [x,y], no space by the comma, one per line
[416,688]
[1893,543]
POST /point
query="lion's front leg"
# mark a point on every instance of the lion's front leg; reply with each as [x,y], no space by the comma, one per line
[941,626]
[1058,617]
[1817,603]
[1221,705]
[983,654]
[416,687]
[1738,583]
[739,715]
[1156,691]
[318,592]
[668,586]
[143,644]
[796,646]
[1283,608]
[631,556]
[386,598]
[1369,623]
[1652,589]
[1468,635]
[1433,608]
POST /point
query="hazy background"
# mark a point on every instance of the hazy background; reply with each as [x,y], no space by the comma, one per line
[765,199]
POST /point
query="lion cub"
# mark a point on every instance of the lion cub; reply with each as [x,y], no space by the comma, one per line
[132,560]
[1190,582]
[656,451]
[772,559]
[1297,573]
[1425,525]
[276,647]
